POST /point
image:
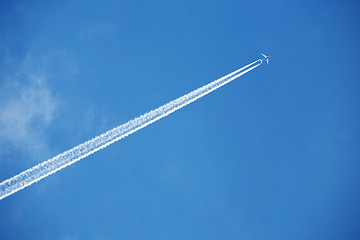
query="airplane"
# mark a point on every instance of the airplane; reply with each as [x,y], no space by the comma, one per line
[265,58]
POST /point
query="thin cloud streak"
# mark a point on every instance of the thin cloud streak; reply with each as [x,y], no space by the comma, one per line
[44,169]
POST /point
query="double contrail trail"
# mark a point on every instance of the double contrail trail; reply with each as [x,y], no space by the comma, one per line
[44,169]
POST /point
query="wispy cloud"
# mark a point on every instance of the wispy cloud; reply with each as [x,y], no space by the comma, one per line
[27,106]
[26,114]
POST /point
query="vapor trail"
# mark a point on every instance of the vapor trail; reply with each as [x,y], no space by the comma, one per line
[44,169]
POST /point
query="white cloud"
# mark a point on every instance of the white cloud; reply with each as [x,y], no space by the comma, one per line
[27,107]
[22,117]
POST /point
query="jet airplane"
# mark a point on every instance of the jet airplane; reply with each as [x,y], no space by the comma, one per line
[265,58]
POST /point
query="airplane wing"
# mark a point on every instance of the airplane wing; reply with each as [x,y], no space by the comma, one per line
[264,55]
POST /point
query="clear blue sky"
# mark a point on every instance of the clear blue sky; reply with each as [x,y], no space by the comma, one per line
[273,155]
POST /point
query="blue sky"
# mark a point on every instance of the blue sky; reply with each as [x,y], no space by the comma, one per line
[273,155]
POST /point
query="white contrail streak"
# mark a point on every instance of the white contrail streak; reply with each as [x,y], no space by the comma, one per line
[44,169]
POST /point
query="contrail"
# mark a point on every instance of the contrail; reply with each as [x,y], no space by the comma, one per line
[44,169]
